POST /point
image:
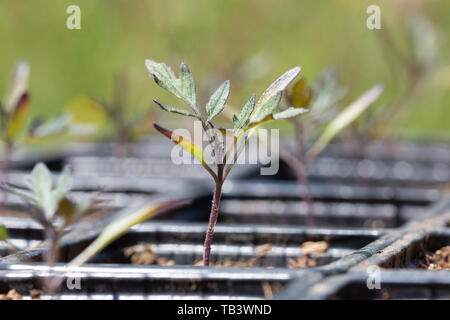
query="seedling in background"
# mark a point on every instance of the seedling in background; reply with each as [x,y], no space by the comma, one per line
[321,101]
[253,114]
[115,117]
[14,123]
[57,213]
[51,207]
[418,64]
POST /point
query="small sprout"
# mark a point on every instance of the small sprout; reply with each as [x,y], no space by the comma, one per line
[51,207]
[252,115]
[14,113]
[321,101]
[418,63]
[113,116]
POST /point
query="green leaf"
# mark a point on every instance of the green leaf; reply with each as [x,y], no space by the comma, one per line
[175,109]
[41,184]
[84,110]
[277,86]
[41,179]
[344,118]
[55,126]
[327,92]
[183,88]
[3,233]
[243,118]
[89,204]
[218,99]
[64,184]
[120,226]
[266,109]
[188,83]
[289,113]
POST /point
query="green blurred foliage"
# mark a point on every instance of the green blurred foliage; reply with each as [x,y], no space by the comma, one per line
[249,42]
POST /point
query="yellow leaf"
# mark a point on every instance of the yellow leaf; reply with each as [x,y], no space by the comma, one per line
[186,145]
[87,111]
[67,208]
[18,116]
[300,96]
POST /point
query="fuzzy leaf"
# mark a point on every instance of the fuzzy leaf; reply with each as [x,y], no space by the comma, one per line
[64,183]
[266,109]
[327,92]
[187,83]
[243,118]
[41,184]
[120,226]
[55,126]
[183,88]
[18,86]
[41,179]
[289,113]
[277,86]
[175,109]
[89,204]
[218,99]
[344,118]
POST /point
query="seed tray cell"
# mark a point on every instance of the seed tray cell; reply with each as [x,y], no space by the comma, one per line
[393,285]
[287,190]
[394,172]
[117,282]
[329,214]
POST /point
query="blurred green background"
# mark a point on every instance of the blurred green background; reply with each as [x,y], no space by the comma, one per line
[221,40]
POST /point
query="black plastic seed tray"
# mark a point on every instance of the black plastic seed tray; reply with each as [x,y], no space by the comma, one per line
[368,171]
[350,250]
[404,150]
[161,167]
[406,284]
[53,156]
[269,246]
[330,214]
[287,190]
[333,206]
[104,183]
[409,250]
[109,282]
[396,261]
[405,163]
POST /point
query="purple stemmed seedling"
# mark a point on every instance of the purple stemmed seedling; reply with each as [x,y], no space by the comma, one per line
[219,162]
